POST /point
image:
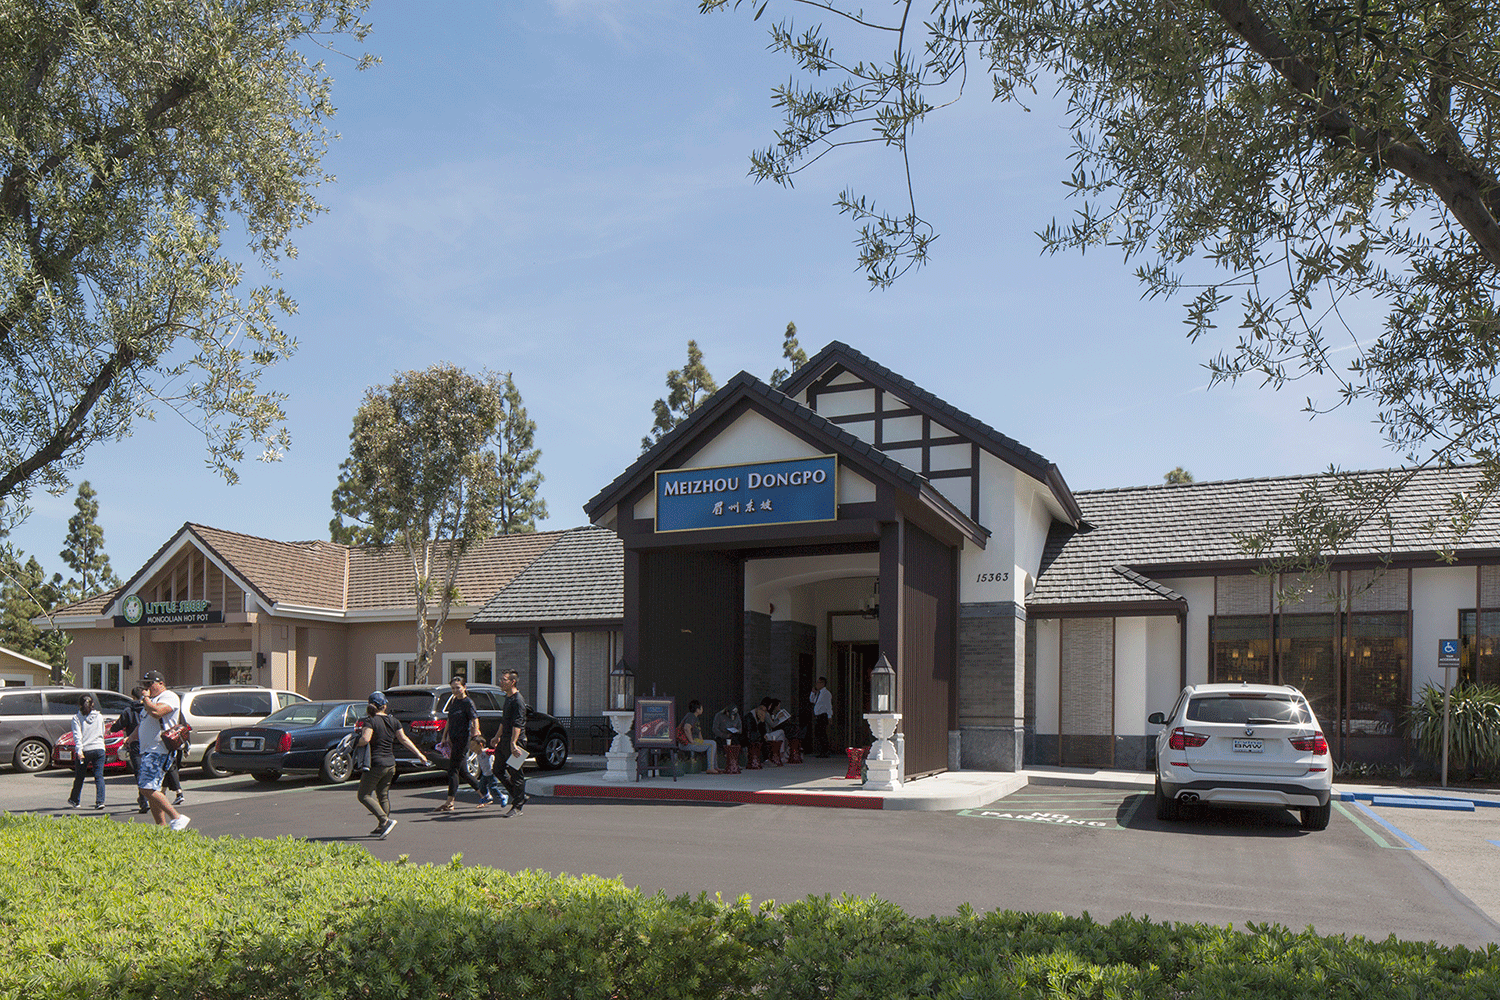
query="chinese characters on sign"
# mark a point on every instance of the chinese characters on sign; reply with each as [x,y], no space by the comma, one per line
[787,492]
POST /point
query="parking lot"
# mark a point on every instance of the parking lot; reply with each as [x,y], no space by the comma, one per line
[1072,849]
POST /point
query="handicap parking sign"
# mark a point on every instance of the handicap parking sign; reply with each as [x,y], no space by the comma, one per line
[1448,653]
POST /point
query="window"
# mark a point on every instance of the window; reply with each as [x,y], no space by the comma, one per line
[395,669]
[229,668]
[1479,661]
[21,704]
[113,704]
[1307,654]
[1378,654]
[1241,647]
[231,704]
[103,672]
[474,669]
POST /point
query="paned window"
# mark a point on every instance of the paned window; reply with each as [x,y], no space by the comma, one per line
[1241,649]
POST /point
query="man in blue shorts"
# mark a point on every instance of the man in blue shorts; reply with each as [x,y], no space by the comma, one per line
[163,710]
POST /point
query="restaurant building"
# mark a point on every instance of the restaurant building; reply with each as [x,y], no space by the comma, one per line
[779,535]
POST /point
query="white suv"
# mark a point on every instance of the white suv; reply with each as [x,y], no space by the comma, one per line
[212,708]
[1243,745]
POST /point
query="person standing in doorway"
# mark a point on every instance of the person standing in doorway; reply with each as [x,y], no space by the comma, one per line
[512,739]
[381,732]
[88,744]
[822,707]
[163,710]
[463,725]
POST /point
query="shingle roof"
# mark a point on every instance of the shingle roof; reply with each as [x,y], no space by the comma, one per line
[382,578]
[579,579]
[1194,524]
[307,574]
[93,607]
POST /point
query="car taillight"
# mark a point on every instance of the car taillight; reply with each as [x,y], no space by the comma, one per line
[433,726]
[1314,744]
[286,743]
[1181,739]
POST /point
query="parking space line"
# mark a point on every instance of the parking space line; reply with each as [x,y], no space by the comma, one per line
[1410,843]
[1130,813]
[1359,823]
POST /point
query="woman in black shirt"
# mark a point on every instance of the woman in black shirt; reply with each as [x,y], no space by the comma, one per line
[463,725]
[380,732]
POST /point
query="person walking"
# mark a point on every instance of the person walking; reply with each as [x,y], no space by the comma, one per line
[463,725]
[126,723]
[822,707]
[88,743]
[380,731]
[512,738]
[163,710]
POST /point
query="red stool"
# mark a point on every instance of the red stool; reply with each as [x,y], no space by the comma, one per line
[856,762]
[754,764]
[732,756]
[773,752]
[794,751]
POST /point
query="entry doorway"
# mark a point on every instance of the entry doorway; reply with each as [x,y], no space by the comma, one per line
[853,662]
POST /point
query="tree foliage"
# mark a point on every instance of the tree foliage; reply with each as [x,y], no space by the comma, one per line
[85,554]
[1177,475]
[27,593]
[792,353]
[1277,161]
[134,138]
[519,506]
[686,388]
[424,475]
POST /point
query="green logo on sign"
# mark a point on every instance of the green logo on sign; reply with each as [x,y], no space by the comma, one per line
[134,609]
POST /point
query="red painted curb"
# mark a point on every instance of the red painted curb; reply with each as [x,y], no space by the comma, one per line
[816,799]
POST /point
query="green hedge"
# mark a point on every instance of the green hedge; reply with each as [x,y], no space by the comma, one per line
[286,918]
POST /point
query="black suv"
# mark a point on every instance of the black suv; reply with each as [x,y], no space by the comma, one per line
[422,710]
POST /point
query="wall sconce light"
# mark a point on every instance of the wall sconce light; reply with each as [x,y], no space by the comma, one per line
[128,661]
[871,606]
[260,659]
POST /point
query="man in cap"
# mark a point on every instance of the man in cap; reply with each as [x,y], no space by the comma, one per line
[162,710]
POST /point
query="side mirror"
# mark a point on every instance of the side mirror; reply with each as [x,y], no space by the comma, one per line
[1156,719]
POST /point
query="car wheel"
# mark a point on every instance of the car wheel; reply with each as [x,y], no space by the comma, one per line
[471,764]
[554,752]
[266,776]
[33,755]
[337,766]
[210,768]
[1167,809]
[1316,818]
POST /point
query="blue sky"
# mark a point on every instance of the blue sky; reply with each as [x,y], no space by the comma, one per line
[559,190]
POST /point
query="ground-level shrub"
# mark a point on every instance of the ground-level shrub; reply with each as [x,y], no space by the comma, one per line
[1473,726]
[92,909]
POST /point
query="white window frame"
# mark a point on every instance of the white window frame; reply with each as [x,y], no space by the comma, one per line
[118,662]
[15,680]
[404,675]
[467,659]
[245,655]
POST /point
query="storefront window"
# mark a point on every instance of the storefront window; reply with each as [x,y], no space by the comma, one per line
[1480,662]
[1378,657]
[1241,649]
[1306,652]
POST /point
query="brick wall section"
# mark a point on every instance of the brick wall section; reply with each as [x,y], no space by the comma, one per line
[991,685]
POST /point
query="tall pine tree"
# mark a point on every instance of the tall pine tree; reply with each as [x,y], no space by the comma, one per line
[791,351]
[25,594]
[84,554]
[686,388]
[519,506]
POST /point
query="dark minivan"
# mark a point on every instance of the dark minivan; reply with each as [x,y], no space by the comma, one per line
[423,710]
[32,719]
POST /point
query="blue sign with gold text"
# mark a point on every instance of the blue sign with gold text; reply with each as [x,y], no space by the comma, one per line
[734,496]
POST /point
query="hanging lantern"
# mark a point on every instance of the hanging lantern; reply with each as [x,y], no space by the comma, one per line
[622,688]
[883,687]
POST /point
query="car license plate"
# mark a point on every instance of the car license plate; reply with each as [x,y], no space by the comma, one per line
[1249,746]
[64,755]
[247,743]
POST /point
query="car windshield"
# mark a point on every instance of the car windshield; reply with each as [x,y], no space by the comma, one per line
[301,714]
[1239,709]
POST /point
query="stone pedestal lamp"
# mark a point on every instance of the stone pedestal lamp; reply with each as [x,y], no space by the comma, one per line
[620,759]
[882,767]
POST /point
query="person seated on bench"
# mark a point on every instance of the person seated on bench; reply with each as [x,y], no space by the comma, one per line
[727,726]
[690,735]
